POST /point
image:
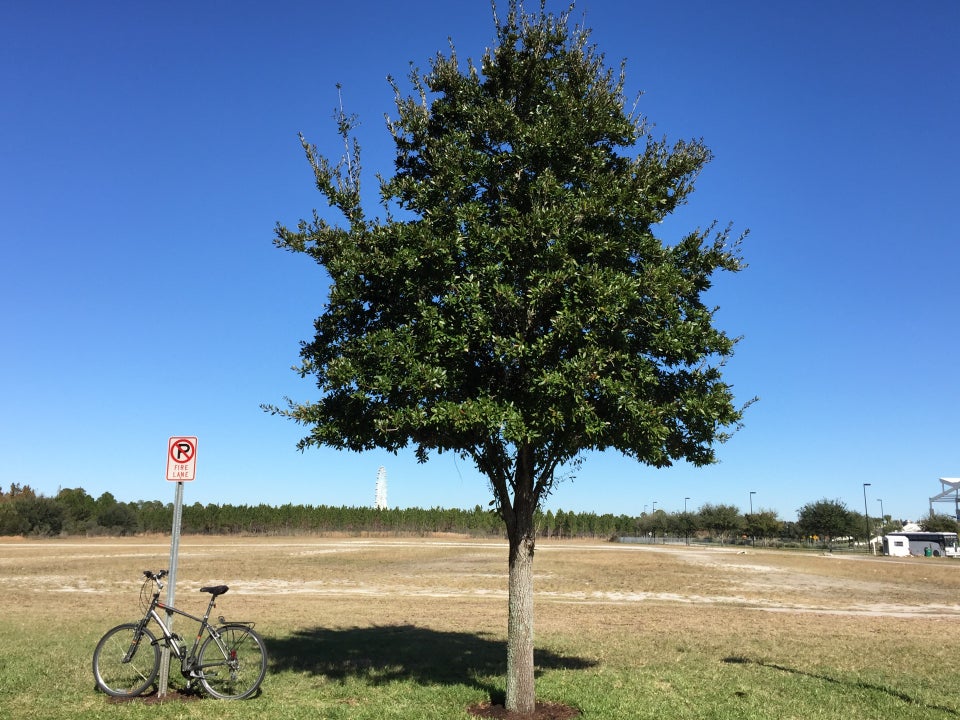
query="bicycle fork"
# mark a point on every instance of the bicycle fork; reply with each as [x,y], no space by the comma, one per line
[135,643]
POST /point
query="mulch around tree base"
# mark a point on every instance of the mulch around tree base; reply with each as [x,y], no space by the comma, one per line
[543,711]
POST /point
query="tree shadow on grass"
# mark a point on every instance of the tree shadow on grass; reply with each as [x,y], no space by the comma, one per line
[383,654]
[893,692]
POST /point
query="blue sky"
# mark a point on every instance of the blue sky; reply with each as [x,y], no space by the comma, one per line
[148,149]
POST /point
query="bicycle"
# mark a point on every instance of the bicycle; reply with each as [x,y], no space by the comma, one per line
[230,664]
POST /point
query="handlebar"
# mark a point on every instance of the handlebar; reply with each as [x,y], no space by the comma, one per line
[155,575]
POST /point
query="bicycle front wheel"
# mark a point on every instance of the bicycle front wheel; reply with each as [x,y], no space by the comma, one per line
[125,665]
[233,662]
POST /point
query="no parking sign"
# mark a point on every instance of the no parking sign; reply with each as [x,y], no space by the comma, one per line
[181,459]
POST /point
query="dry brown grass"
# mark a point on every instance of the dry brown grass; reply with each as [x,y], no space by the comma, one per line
[357,627]
[648,603]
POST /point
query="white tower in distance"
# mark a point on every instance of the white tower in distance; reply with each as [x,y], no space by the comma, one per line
[381,501]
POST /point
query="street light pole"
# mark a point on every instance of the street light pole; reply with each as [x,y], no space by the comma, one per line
[686,523]
[753,538]
[866,514]
[752,493]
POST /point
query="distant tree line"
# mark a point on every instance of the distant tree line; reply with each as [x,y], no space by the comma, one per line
[74,512]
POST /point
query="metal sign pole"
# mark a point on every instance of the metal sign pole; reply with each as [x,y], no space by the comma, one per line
[171,586]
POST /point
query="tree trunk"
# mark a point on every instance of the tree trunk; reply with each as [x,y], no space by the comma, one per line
[521,694]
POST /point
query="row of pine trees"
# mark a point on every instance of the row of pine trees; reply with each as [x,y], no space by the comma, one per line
[72,511]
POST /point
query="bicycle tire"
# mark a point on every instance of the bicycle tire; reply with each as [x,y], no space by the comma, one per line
[131,678]
[236,671]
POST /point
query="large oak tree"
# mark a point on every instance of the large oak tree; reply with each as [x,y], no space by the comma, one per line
[513,304]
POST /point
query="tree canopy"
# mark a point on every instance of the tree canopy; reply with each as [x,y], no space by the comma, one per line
[939,523]
[828,519]
[514,305]
[523,306]
[721,519]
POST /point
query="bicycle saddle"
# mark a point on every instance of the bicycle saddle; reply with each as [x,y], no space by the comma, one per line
[215,589]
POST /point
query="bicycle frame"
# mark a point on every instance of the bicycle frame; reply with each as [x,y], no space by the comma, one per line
[171,639]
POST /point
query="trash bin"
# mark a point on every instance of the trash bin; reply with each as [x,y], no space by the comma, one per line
[927,552]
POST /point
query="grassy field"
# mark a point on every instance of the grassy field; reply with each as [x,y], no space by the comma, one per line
[391,628]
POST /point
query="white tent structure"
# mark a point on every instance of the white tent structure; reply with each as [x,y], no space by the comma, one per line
[950,493]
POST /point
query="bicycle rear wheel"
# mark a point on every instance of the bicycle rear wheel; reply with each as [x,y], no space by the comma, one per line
[232,664]
[125,665]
